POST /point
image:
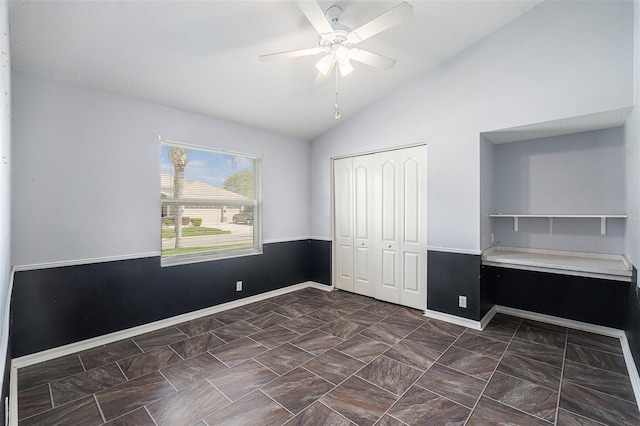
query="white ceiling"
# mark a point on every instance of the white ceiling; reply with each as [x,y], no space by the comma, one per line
[203,56]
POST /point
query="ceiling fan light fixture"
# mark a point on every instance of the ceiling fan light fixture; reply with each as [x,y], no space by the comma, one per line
[342,55]
[325,64]
[345,68]
[336,39]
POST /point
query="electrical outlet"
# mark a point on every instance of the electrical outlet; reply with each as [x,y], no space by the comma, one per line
[462,301]
[238,285]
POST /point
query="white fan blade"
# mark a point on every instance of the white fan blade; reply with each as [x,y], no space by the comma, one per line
[382,22]
[372,59]
[315,15]
[322,78]
[290,54]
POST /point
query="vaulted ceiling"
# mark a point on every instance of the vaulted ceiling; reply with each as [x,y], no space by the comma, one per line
[202,56]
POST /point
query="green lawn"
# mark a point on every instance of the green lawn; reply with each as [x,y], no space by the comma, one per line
[169,252]
[193,231]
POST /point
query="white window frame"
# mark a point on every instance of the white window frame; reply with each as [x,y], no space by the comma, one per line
[181,259]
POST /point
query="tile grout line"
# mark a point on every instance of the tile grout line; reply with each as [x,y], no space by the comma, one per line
[149,414]
[50,396]
[81,363]
[564,360]
[492,374]
[542,386]
[520,410]
[354,373]
[422,375]
[329,408]
[274,372]
[95,399]
[174,351]
[117,363]
[600,392]
[224,395]
[283,407]
[615,373]
[167,380]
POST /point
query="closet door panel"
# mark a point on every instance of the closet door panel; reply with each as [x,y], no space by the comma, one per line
[411,198]
[343,223]
[412,275]
[413,219]
[365,267]
[387,185]
[388,201]
[389,270]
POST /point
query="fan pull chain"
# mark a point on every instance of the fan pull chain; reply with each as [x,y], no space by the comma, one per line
[336,105]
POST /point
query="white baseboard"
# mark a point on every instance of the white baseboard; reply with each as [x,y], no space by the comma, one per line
[488,317]
[549,319]
[465,322]
[453,319]
[25,361]
[631,368]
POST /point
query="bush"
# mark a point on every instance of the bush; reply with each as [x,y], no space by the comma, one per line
[167,221]
[196,221]
[185,220]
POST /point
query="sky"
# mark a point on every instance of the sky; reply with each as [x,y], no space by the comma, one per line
[207,166]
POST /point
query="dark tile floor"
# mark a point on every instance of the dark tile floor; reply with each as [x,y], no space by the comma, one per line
[313,357]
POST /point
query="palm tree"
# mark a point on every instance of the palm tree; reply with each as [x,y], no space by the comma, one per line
[179,159]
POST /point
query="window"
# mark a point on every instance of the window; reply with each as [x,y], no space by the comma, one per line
[211,205]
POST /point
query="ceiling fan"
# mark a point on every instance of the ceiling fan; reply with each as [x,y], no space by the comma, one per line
[336,41]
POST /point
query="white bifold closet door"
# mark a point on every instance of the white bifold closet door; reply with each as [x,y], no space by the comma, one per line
[380,225]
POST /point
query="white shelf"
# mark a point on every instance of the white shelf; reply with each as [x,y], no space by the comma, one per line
[603,218]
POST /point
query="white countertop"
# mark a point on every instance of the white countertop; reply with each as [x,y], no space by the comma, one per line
[608,266]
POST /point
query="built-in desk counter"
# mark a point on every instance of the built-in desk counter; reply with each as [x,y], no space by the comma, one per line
[595,265]
[587,287]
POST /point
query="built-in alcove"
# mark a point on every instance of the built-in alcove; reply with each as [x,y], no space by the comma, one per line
[552,205]
[553,192]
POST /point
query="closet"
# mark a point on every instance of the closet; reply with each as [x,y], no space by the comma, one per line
[380,225]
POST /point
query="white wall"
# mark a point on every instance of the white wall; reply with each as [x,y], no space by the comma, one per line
[559,60]
[487,166]
[5,188]
[632,155]
[580,173]
[87,175]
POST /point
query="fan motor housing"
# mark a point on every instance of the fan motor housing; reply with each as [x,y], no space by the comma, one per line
[339,38]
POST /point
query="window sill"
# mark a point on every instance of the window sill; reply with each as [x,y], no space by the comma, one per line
[208,256]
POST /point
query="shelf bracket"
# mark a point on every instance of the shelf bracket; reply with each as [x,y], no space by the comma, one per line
[515,223]
[550,225]
[603,225]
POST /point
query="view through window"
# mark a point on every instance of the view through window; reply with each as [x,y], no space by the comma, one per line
[210,203]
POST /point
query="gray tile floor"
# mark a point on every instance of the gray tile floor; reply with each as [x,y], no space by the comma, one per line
[312,357]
